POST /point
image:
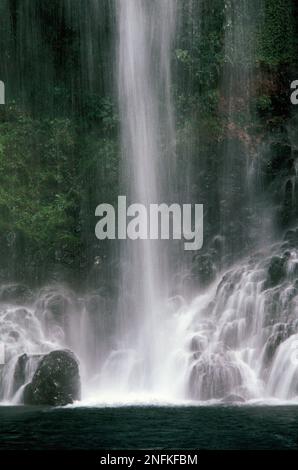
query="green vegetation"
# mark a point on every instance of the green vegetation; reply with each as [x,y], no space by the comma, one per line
[277,37]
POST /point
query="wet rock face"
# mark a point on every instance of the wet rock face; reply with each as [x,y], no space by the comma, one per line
[203,270]
[214,376]
[54,304]
[291,238]
[25,367]
[15,293]
[231,399]
[280,333]
[56,381]
[19,375]
[276,271]
[254,313]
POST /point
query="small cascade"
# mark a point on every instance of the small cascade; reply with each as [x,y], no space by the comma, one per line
[244,343]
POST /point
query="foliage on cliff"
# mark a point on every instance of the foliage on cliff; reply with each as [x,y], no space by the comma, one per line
[59,142]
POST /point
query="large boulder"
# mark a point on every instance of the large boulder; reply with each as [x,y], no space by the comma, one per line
[56,381]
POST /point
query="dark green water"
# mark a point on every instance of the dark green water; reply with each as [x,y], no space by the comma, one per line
[149,428]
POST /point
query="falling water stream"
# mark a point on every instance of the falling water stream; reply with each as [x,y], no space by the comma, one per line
[144,53]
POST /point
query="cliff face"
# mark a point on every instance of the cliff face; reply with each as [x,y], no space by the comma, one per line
[236,139]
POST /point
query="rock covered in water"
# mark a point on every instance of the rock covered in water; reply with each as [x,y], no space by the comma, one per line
[233,398]
[56,381]
[54,303]
[15,293]
[281,332]
[214,376]
[25,367]
[291,238]
[19,375]
[203,270]
[276,271]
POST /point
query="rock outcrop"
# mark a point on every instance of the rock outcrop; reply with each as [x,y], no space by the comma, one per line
[56,381]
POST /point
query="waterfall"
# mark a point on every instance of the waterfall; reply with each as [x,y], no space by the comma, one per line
[148,147]
[234,341]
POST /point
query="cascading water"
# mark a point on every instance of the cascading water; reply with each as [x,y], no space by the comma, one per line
[246,341]
[238,341]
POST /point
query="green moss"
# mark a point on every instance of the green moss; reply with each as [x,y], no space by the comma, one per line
[277,36]
[39,191]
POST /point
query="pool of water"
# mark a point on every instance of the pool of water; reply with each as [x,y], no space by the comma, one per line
[145,427]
